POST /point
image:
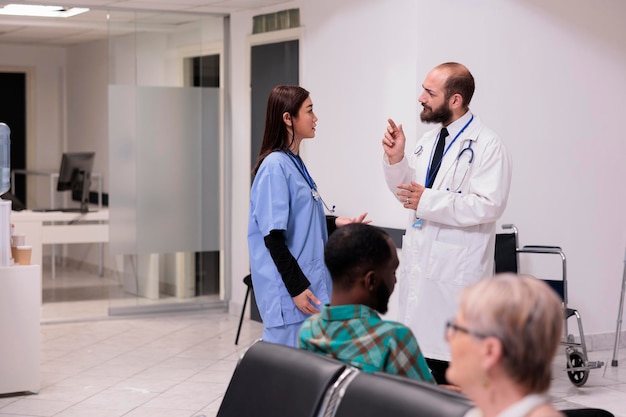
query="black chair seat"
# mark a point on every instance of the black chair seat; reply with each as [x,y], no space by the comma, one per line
[382,394]
[587,412]
[276,380]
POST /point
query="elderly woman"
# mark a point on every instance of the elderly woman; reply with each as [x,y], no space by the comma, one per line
[502,343]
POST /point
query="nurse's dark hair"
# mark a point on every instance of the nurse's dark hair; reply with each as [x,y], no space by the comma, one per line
[282,99]
[354,249]
[460,81]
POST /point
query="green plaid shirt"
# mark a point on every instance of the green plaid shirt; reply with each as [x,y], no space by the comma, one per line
[355,334]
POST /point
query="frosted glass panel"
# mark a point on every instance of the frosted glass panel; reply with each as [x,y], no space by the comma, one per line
[122,170]
[165,174]
[210,213]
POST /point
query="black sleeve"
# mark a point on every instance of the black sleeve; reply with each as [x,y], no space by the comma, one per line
[287,266]
[330,224]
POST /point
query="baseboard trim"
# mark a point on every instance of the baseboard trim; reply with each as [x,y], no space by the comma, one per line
[602,341]
[216,305]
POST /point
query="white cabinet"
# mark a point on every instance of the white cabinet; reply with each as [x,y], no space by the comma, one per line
[20,317]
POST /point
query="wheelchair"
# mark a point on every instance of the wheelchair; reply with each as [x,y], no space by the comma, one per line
[506,260]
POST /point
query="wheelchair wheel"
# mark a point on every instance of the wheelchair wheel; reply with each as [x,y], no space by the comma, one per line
[577,377]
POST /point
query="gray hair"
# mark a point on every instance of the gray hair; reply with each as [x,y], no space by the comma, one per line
[526,315]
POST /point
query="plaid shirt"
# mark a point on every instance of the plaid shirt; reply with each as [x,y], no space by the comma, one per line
[355,334]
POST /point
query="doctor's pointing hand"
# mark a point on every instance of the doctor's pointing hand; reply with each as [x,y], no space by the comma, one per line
[393,145]
[393,142]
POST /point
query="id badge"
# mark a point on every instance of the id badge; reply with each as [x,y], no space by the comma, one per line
[417,224]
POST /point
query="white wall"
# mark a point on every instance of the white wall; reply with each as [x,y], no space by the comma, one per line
[87,109]
[549,80]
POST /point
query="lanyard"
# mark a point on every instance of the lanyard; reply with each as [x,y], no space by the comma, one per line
[446,151]
[307,177]
[302,169]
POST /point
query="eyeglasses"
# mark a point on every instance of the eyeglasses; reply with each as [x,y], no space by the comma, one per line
[452,327]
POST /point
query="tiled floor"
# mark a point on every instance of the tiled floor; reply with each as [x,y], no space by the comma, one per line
[179,365]
[165,366]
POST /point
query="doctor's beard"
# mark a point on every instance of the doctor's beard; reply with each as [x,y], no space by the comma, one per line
[442,114]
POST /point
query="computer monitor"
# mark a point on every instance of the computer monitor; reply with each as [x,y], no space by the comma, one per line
[75,175]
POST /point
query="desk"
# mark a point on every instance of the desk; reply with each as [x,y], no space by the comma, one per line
[57,227]
[53,176]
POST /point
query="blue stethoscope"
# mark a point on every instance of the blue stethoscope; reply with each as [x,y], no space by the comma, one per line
[468,149]
[307,177]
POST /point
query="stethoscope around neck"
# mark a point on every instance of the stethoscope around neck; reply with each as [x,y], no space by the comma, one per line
[307,177]
[470,159]
[470,155]
[468,149]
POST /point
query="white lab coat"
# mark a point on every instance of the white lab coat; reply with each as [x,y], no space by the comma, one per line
[456,241]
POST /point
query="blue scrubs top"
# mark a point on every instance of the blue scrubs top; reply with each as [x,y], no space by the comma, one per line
[281,199]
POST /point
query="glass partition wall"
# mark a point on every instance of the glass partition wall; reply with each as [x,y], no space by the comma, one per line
[165,171]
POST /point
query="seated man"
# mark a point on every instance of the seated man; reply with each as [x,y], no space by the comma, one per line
[362,261]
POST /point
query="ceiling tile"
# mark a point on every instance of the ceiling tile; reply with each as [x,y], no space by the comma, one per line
[93,24]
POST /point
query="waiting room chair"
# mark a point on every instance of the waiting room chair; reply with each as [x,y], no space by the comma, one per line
[273,380]
[587,412]
[382,394]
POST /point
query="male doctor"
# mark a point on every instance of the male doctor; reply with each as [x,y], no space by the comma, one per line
[455,184]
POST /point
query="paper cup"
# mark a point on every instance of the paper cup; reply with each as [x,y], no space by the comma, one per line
[18,240]
[21,254]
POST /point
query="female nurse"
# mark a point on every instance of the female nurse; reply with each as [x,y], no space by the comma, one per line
[287,226]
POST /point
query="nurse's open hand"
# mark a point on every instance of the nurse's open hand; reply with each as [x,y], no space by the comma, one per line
[305,300]
[342,220]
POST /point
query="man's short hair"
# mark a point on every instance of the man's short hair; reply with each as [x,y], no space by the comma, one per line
[459,81]
[354,249]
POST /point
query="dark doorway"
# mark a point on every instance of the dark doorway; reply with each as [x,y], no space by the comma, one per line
[13,113]
[271,65]
[205,71]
